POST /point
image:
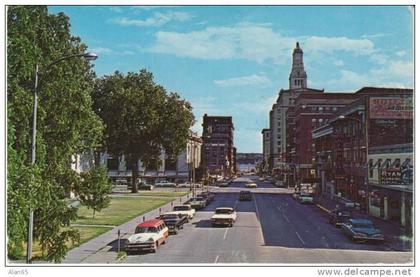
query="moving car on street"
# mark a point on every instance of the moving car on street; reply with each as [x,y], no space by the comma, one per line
[147,236]
[338,217]
[144,186]
[224,216]
[251,185]
[186,210]
[173,221]
[245,195]
[280,184]
[361,230]
[304,198]
[197,202]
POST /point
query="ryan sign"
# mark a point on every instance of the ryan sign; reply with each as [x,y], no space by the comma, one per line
[391,107]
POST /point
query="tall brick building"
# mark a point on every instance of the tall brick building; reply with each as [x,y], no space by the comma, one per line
[218,152]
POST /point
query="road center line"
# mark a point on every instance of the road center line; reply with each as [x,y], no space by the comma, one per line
[285,217]
[217,258]
[301,240]
[224,236]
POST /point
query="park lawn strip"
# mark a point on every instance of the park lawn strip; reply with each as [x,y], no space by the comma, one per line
[86,233]
[120,210]
[162,193]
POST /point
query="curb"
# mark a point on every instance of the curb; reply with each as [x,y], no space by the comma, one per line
[121,258]
[323,208]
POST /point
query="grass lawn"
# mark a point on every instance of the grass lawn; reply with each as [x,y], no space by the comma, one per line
[161,193]
[121,210]
[86,233]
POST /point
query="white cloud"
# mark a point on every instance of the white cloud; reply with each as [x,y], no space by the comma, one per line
[401,53]
[358,47]
[102,50]
[338,62]
[393,74]
[158,19]
[250,80]
[375,35]
[242,41]
[254,42]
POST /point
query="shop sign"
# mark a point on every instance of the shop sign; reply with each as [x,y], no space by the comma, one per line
[391,108]
[391,175]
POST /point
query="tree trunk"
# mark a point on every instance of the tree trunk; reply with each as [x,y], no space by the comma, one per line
[134,175]
[93,216]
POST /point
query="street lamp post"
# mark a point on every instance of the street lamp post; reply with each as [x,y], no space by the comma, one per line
[367,153]
[87,56]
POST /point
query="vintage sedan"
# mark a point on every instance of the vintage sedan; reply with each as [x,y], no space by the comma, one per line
[147,236]
[305,198]
[185,210]
[223,184]
[207,195]
[224,216]
[174,221]
[338,217]
[251,185]
[245,195]
[197,202]
[165,184]
[361,230]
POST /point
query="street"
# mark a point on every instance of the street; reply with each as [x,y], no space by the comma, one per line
[272,228]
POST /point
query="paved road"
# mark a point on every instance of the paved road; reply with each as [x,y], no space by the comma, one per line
[272,228]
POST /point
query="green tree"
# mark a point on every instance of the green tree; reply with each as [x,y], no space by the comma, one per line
[141,118]
[66,125]
[94,189]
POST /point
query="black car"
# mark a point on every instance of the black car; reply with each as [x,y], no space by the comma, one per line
[245,195]
[207,195]
[174,221]
[338,217]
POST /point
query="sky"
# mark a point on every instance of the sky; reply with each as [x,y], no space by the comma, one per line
[233,60]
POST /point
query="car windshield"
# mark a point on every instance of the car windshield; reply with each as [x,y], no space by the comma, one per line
[197,199]
[181,208]
[366,225]
[169,216]
[146,230]
[224,211]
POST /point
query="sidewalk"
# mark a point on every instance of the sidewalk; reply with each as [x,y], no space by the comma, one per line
[103,248]
[396,237]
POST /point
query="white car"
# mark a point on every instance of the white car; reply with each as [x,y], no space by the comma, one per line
[251,185]
[305,198]
[147,236]
[185,210]
[224,216]
[166,184]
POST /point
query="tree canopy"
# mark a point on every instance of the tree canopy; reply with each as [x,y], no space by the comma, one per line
[141,118]
[66,125]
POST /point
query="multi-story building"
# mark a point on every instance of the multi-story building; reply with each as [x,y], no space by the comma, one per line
[180,169]
[285,100]
[218,147]
[365,153]
[266,147]
[311,110]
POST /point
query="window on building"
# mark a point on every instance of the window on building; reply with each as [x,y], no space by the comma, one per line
[313,120]
[334,109]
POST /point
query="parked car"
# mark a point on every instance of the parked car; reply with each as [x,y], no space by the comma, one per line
[223,184]
[304,198]
[184,185]
[280,184]
[362,230]
[185,210]
[207,195]
[165,184]
[339,216]
[224,216]
[197,202]
[245,195]
[144,186]
[173,221]
[147,236]
[251,185]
